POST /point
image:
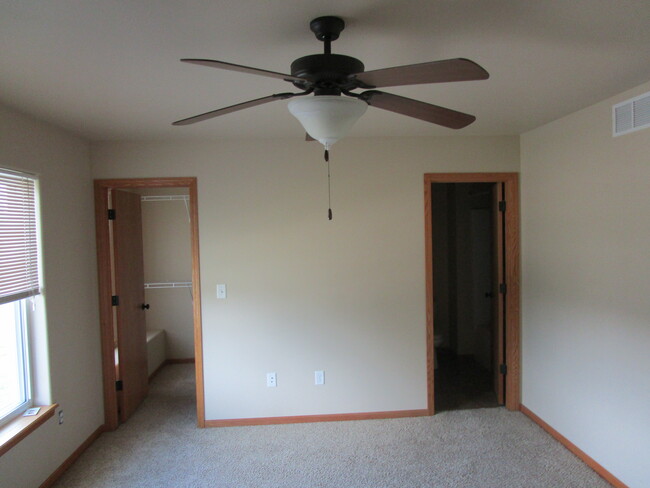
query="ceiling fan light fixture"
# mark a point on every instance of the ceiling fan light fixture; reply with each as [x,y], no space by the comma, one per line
[327,118]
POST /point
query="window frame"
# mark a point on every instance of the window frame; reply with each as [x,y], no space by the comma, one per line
[19,299]
[23,359]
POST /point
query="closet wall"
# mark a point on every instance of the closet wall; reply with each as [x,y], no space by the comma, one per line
[168,259]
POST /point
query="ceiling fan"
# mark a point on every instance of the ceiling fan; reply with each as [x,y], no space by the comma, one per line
[327,115]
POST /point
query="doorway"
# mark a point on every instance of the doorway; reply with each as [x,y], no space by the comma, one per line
[116,285]
[472,263]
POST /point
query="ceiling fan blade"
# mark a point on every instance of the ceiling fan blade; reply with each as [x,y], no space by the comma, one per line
[242,69]
[232,108]
[309,138]
[458,69]
[419,110]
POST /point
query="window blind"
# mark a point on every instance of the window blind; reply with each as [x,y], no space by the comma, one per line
[18,237]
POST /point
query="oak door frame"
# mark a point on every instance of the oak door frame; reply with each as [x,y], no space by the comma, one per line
[512,278]
[102,188]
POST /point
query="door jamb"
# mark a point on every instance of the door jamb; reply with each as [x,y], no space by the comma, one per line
[512,278]
[102,188]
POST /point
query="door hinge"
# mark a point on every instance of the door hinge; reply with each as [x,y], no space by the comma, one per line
[118,385]
[111,214]
[115,300]
[503,288]
[502,206]
[503,369]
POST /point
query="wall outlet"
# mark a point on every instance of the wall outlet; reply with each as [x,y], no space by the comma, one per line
[271,380]
[319,377]
[60,417]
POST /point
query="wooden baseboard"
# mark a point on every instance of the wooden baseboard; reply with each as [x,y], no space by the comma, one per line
[298,419]
[589,461]
[72,458]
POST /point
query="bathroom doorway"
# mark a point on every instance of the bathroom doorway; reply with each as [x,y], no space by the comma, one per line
[472,290]
[466,330]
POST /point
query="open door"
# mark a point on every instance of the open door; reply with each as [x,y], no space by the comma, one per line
[498,292]
[130,325]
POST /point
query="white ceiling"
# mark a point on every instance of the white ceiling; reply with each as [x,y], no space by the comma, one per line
[110,70]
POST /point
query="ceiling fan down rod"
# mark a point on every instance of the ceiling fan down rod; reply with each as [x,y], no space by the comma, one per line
[327,29]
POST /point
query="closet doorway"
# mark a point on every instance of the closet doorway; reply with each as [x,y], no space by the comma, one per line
[472,284]
[148,262]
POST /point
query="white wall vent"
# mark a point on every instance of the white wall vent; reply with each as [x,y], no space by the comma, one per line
[631,115]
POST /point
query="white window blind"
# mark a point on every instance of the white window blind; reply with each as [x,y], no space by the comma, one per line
[18,237]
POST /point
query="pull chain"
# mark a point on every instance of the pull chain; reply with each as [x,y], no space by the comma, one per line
[329,190]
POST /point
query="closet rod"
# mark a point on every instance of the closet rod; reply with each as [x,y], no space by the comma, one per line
[163,198]
[169,284]
[169,198]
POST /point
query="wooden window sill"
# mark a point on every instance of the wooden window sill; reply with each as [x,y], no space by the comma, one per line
[16,430]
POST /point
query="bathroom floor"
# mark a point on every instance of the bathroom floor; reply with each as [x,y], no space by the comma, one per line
[461,383]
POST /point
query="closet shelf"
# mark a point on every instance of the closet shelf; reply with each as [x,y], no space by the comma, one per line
[169,284]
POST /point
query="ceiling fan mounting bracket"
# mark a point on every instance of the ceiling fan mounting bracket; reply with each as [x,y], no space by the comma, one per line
[327,28]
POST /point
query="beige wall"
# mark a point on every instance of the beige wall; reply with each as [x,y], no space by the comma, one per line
[70,291]
[168,258]
[306,294]
[586,278]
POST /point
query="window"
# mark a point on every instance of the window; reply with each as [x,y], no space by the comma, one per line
[19,280]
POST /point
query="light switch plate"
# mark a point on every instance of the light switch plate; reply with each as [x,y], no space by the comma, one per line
[319,377]
[221,291]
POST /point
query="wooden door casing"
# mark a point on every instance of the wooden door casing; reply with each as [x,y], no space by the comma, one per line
[103,187]
[511,270]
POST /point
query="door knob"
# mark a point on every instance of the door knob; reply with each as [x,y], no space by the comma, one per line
[145,306]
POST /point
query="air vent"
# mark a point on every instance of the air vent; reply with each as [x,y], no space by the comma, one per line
[631,115]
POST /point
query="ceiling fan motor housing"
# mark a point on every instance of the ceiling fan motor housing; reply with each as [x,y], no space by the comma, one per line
[327,74]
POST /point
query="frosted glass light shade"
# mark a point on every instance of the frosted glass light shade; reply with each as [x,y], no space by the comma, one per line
[327,118]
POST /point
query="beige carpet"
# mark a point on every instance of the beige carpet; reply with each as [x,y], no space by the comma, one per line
[160,447]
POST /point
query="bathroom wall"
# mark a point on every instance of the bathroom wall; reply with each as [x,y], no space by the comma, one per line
[440,223]
[455,256]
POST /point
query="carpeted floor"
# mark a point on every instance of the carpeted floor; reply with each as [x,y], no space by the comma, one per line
[160,447]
